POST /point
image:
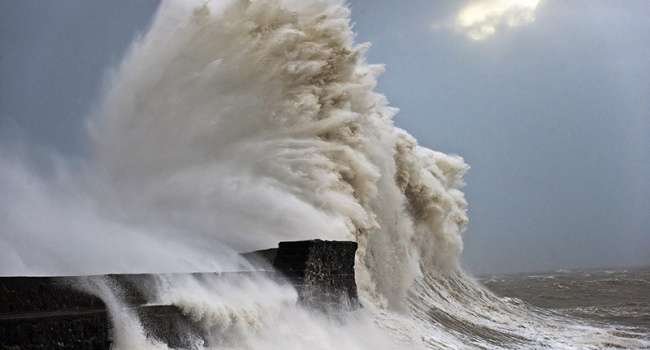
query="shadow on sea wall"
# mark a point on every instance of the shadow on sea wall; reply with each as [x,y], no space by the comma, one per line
[51,313]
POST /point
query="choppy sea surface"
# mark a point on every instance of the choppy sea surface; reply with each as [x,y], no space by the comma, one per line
[613,297]
[232,125]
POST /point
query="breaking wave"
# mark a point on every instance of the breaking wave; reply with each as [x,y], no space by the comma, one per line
[244,123]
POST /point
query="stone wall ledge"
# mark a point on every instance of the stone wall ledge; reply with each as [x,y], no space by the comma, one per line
[50,313]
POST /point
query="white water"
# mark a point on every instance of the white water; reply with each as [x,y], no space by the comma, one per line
[244,123]
[257,122]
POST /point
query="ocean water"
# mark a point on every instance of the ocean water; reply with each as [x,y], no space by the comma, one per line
[232,125]
[605,296]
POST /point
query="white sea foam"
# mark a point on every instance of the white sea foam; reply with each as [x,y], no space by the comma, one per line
[256,121]
[244,123]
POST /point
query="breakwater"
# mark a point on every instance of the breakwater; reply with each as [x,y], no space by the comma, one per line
[54,312]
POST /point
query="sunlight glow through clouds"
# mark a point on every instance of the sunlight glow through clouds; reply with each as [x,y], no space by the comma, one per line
[480,19]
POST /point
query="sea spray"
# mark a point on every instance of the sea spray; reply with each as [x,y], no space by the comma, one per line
[126,330]
[257,122]
[251,122]
[229,311]
[58,222]
[244,123]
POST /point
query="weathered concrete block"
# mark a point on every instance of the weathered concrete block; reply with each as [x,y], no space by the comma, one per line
[322,271]
[50,313]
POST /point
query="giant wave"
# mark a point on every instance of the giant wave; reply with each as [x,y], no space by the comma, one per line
[239,124]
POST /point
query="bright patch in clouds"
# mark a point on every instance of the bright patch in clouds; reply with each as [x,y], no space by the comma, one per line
[480,19]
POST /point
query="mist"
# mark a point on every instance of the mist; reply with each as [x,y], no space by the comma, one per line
[551,115]
[225,127]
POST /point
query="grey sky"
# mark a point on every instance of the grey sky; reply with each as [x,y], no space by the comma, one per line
[53,59]
[553,115]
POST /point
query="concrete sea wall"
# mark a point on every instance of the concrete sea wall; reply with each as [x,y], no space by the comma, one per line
[51,313]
